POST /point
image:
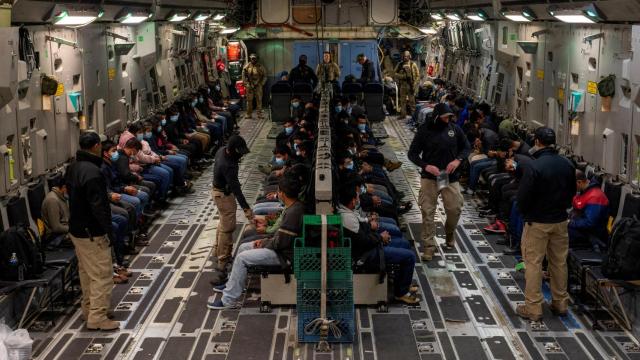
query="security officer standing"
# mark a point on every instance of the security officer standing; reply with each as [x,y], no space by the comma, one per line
[226,190]
[254,78]
[545,193]
[438,149]
[408,77]
[303,73]
[328,71]
[368,73]
[89,228]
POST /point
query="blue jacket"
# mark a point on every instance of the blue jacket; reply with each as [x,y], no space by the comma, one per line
[591,211]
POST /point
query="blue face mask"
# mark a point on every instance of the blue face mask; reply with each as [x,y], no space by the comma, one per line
[295,104]
[350,166]
[208,90]
[362,127]
[148,135]
[159,129]
[338,108]
[288,130]
[349,110]
[217,87]
[279,161]
[363,189]
[515,165]
[139,137]
[115,156]
[200,100]
[194,103]
[174,118]
[358,205]
[295,146]
[163,122]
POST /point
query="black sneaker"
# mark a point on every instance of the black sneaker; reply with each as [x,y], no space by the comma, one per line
[512,251]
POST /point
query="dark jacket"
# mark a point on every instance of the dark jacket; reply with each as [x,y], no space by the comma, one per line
[303,74]
[547,188]
[111,177]
[121,168]
[523,149]
[225,176]
[368,73]
[88,200]
[438,144]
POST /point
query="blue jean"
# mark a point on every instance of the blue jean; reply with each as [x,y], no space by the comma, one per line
[476,169]
[139,201]
[406,260]
[399,242]
[221,120]
[161,177]
[392,229]
[247,256]
[516,225]
[176,170]
[267,208]
[120,225]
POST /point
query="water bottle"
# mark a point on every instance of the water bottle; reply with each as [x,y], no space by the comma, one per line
[16,267]
[442,180]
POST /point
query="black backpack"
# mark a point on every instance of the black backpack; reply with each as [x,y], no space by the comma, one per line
[621,261]
[26,245]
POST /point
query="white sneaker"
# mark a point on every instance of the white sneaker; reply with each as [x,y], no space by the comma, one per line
[469,191]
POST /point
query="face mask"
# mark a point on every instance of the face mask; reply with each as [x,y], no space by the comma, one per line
[349,110]
[362,127]
[159,129]
[338,109]
[298,153]
[363,189]
[515,165]
[194,103]
[148,135]
[208,90]
[279,161]
[288,130]
[139,137]
[115,156]
[163,122]
[295,146]
[352,151]
[66,196]
[295,104]
[345,121]
[174,118]
[217,87]
[200,100]
[350,166]
[358,205]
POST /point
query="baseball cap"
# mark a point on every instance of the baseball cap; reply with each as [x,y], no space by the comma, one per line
[442,109]
[545,135]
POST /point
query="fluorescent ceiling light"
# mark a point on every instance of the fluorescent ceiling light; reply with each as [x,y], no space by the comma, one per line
[454,16]
[202,16]
[229,30]
[574,19]
[437,16]
[128,16]
[71,16]
[218,17]
[524,15]
[178,16]
[428,31]
[517,18]
[588,14]
[477,15]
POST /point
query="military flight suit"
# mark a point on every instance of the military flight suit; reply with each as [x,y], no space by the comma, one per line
[331,70]
[254,78]
[408,78]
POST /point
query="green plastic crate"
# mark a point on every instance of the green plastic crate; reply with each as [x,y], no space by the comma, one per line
[306,262]
[312,230]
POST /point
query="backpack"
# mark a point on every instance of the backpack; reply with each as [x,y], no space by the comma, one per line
[48,85]
[621,261]
[26,245]
[607,86]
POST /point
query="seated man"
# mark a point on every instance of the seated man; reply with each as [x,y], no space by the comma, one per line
[588,224]
[365,247]
[268,251]
[55,214]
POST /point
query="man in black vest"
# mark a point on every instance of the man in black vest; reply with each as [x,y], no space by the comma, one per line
[303,73]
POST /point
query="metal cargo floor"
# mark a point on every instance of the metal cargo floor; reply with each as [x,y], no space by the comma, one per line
[467,309]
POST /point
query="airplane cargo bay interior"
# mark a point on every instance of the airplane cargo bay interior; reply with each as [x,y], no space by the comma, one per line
[319,179]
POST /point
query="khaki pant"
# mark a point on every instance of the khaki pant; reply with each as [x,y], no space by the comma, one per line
[226,205]
[96,276]
[551,240]
[428,202]
[251,94]
[406,96]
